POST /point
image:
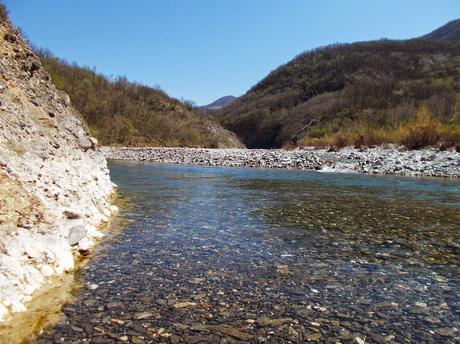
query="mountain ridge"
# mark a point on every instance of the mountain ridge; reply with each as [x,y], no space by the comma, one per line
[449,32]
[219,103]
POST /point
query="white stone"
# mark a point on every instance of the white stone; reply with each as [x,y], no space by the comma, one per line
[106,212]
[18,307]
[84,244]
[92,286]
[94,233]
[47,270]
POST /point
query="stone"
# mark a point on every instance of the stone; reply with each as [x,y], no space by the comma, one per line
[185,304]
[84,142]
[65,98]
[389,338]
[94,143]
[142,315]
[445,332]
[84,245]
[117,321]
[266,321]
[76,233]
[47,270]
[106,212]
[359,340]
[312,337]
[72,214]
[114,305]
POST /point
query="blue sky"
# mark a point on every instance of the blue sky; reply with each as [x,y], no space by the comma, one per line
[204,49]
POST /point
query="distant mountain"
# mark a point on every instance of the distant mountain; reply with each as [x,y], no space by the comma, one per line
[449,32]
[360,89]
[219,103]
[120,112]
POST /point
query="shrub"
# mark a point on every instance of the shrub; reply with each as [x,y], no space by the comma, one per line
[450,135]
[422,131]
[340,140]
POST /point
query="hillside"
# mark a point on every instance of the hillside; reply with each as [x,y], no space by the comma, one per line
[120,112]
[361,89]
[219,103]
[449,32]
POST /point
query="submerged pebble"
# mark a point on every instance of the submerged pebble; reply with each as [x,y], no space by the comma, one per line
[239,255]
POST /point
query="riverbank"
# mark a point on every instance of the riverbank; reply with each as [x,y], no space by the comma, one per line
[55,188]
[428,162]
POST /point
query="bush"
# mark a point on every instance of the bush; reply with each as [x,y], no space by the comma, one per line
[422,131]
[450,135]
[340,140]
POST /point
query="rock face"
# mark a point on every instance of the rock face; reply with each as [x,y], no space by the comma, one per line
[225,138]
[54,183]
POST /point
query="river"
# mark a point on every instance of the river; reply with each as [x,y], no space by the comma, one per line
[229,255]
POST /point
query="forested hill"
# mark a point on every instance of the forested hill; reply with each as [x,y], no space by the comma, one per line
[349,90]
[120,112]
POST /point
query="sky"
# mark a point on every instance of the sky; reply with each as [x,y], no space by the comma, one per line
[205,49]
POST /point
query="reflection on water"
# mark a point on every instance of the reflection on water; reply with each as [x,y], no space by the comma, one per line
[217,255]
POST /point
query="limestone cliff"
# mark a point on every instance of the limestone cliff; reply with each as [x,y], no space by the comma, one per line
[54,183]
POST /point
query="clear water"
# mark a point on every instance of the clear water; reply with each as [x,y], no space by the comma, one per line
[222,255]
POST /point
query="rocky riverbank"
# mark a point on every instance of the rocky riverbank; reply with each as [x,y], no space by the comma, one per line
[393,160]
[54,182]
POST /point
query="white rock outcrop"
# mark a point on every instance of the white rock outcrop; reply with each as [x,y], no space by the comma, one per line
[54,183]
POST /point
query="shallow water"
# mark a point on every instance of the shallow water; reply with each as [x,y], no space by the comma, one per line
[220,255]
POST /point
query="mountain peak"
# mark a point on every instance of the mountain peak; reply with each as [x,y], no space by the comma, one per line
[449,32]
[220,103]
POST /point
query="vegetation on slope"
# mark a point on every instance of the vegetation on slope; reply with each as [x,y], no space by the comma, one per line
[328,93]
[120,112]
[449,32]
[423,130]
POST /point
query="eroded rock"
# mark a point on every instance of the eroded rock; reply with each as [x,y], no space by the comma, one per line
[50,175]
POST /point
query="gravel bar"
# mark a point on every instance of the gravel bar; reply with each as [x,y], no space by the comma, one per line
[429,162]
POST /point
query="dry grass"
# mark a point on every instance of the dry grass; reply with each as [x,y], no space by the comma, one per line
[422,131]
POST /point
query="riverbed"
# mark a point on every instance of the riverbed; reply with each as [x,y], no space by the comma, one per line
[231,255]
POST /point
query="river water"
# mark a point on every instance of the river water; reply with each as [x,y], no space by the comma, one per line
[222,255]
